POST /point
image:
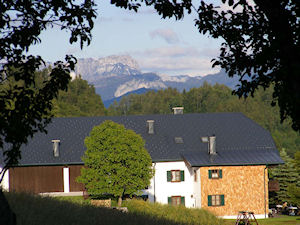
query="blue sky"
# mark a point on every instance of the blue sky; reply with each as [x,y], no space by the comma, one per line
[159,45]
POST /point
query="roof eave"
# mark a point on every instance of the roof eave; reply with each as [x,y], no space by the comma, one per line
[236,164]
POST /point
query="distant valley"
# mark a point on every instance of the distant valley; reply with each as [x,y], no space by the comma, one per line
[115,76]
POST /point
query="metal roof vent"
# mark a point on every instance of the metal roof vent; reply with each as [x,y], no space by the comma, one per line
[177,110]
[150,125]
[56,144]
[211,144]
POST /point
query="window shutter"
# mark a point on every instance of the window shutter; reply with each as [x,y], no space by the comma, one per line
[209,200]
[209,174]
[220,173]
[182,200]
[182,175]
[222,200]
[170,200]
[169,176]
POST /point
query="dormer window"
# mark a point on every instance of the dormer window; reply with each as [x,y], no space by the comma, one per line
[178,140]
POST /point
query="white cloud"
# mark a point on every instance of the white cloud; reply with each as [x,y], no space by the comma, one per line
[167,34]
[177,60]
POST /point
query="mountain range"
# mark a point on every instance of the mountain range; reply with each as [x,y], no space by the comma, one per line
[114,76]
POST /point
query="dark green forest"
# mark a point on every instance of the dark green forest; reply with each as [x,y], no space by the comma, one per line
[80,100]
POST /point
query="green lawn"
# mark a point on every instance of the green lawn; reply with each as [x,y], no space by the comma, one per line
[36,210]
[284,220]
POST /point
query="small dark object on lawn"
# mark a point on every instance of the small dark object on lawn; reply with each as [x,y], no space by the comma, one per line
[245,218]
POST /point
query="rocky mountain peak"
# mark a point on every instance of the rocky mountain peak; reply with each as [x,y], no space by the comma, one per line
[123,59]
[116,75]
[93,69]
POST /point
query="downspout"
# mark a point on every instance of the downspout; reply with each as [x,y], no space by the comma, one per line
[265,191]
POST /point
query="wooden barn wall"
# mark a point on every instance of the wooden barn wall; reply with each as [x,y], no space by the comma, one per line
[41,179]
[36,179]
[75,172]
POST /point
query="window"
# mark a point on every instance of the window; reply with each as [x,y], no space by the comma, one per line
[216,200]
[176,200]
[214,174]
[175,175]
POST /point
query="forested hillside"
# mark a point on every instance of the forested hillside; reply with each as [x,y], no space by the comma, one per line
[217,98]
[80,100]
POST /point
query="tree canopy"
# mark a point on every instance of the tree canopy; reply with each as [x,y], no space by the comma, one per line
[25,107]
[260,43]
[79,100]
[116,161]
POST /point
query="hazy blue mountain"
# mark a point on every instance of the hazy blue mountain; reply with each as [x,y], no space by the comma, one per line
[108,102]
[114,76]
[221,78]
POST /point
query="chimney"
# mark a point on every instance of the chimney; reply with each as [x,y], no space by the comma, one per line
[150,125]
[56,144]
[212,145]
[177,110]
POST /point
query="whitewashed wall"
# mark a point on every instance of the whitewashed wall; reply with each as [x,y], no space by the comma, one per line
[5,182]
[197,187]
[162,189]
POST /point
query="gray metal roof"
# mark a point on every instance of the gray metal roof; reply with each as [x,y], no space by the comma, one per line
[239,140]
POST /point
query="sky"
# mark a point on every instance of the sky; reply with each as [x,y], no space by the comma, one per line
[164,46]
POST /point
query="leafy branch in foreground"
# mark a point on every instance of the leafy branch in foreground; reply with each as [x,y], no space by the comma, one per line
[260,43]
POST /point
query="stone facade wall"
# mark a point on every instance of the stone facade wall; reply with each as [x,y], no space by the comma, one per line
[242,187]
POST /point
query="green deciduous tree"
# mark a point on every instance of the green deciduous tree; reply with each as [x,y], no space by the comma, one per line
[116,161]
[25,107]
[79,100]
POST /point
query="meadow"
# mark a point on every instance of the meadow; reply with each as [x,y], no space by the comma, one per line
[36,210]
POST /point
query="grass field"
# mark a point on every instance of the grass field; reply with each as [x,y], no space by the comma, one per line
[36,210]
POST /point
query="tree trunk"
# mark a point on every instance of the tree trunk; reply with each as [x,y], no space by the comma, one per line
[120,201]
[7,216]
